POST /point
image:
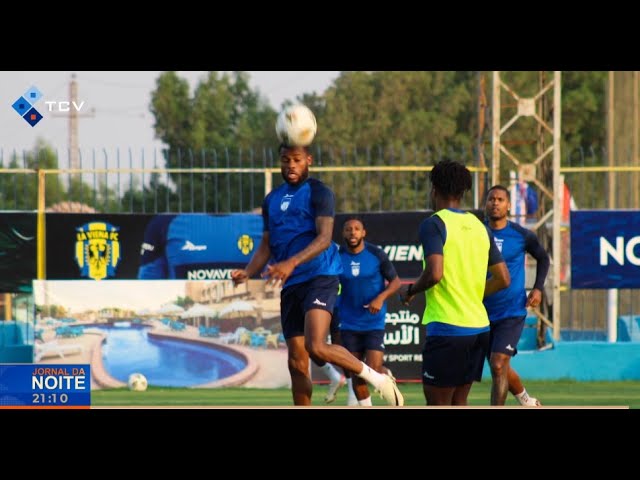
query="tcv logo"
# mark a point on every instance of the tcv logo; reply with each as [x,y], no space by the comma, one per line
[24,106]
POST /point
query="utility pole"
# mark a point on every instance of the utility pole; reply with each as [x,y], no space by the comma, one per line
[73,116]
[481,116]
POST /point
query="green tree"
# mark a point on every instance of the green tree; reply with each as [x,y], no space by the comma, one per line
[392,118]
[20,191]
[381,118]
[398,108]
[57,311]
[185,302]
[171,108]
[62,192]
[224,124]
[583,110]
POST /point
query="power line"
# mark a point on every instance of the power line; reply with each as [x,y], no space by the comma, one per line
[116,84]
[121,109]
[73,117]
[123,114]
[57,90]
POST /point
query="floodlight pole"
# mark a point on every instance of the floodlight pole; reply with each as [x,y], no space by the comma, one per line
[532,170]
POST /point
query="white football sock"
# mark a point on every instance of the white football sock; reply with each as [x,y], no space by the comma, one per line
[351,395]
[331,372]
[371,376]
[523,397]
[366,402]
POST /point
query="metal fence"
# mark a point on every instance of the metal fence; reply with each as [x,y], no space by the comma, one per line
[596,185]
[226,181]
[367,179]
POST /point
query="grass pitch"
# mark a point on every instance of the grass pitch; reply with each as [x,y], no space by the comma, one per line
[556,393]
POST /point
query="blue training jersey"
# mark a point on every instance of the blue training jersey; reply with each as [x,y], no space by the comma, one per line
[198,246]
[289,214]
[514,241]
[362,279]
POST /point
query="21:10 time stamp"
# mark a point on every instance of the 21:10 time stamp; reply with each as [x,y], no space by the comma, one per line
[42,398]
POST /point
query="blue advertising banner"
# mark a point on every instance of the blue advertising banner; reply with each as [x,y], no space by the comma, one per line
[45,386]
[189,246]
[605,249]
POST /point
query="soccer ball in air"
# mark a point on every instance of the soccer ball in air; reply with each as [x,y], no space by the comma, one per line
[137,382]
[296,126]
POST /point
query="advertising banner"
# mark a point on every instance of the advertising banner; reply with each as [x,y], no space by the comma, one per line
[188,333]
[164,246]
[404,337]
[206,248]
[17,251]
[203,249]
[94,246]
[195,246]
[175,333]
[605,249]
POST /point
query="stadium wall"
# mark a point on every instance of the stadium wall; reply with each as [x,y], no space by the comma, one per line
[580,361]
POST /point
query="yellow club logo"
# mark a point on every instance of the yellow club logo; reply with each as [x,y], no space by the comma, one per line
[245,244]
[97,250]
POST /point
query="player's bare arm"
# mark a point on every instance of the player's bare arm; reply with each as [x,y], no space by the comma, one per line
[257,262]
[279,272]
[498,280]
[376,304]
[430,277]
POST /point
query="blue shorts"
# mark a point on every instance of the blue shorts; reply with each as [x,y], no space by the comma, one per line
[505,335]
[453,361]
[295,301]
[361,341]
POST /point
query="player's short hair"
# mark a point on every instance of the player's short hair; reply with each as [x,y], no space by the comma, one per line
[499,187]
[354,217]
[284,146]
[450,178]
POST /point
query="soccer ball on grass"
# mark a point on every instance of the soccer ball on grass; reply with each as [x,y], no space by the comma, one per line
[137,382]
[296,126]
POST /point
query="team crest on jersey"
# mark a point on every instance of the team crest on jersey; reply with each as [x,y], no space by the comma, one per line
[284,203]
[97,250]
[355,268]
[499,242]
[245,244]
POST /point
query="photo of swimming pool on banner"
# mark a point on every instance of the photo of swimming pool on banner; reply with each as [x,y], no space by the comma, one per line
[177,333]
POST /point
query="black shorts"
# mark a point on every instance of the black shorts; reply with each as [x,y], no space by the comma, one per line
[295,301]
[449,361]
[334,328]
[505,335]
[360,342]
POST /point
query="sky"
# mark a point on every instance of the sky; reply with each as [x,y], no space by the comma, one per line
[120,102]
[127,294]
